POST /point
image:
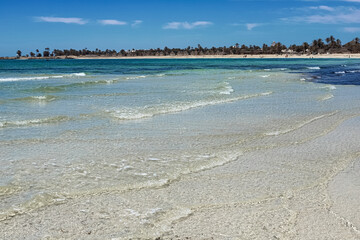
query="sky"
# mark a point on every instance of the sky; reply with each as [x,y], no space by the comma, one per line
[143,24]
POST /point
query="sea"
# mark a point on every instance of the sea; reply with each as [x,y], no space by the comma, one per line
[71,129]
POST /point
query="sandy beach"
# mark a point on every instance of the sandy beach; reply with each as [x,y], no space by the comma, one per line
[156,149]
[259,195]
[265,56]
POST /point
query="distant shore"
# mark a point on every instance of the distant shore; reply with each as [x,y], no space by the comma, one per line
[257,56]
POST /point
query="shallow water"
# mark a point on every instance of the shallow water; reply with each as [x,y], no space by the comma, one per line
[76,128]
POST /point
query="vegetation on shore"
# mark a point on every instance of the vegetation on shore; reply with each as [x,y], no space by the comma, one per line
[319,46]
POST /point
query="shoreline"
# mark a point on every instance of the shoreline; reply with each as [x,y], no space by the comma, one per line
[264,56]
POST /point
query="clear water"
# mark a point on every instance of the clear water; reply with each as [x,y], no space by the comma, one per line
[72,128]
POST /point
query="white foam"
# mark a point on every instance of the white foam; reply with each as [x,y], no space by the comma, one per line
[227,90]
[150,111]
[313,68]
[14,79]
[27,78]
[329,87]
[21,123]
[279,132]
[265,76]
[78,74]
[302,79]
[39,97]
[340,72]
[135,77]
[326,97]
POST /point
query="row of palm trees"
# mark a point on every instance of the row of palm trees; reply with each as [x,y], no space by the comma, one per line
[318,46]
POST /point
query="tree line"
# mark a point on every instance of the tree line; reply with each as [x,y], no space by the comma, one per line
[318,46]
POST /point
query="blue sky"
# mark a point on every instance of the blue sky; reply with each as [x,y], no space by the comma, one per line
[126,24]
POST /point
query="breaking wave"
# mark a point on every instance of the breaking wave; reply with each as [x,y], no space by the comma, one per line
[225,89]
[45,98]
[29,122]
[150,111]
[326,97]
[14,79]
[329,87]
[60,88]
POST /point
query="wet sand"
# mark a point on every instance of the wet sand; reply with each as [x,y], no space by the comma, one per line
[303,184]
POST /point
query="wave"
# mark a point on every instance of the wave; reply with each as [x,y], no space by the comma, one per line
[265,76]
[135,77]
[226,89]
[151,111]
[14,79]
[60,88]
[350,71]
[313,68]
[29,122]
[78,74]
[329,87]
[353,71]
[326,97]
[280,132]
[45,98]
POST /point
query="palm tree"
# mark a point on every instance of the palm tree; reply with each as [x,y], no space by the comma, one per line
[338,43]
[305,47]
[314,46]
[320,43]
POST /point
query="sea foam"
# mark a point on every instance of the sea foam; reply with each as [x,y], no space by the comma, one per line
[300,125]
[14,79]
[326,97]
[226,89]
[29,122]
[150,111]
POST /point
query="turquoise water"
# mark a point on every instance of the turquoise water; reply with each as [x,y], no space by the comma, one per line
[70,128]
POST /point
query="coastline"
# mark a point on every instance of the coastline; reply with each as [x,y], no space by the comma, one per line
[260,56]
[196,152]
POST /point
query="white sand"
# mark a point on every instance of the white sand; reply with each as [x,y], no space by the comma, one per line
[302,184]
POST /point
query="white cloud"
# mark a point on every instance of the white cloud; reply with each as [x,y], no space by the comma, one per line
[186,25]
[323,7]
[352,29]
[351,15]
[111,22]
[61,20]
[250,26]
[136,23]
